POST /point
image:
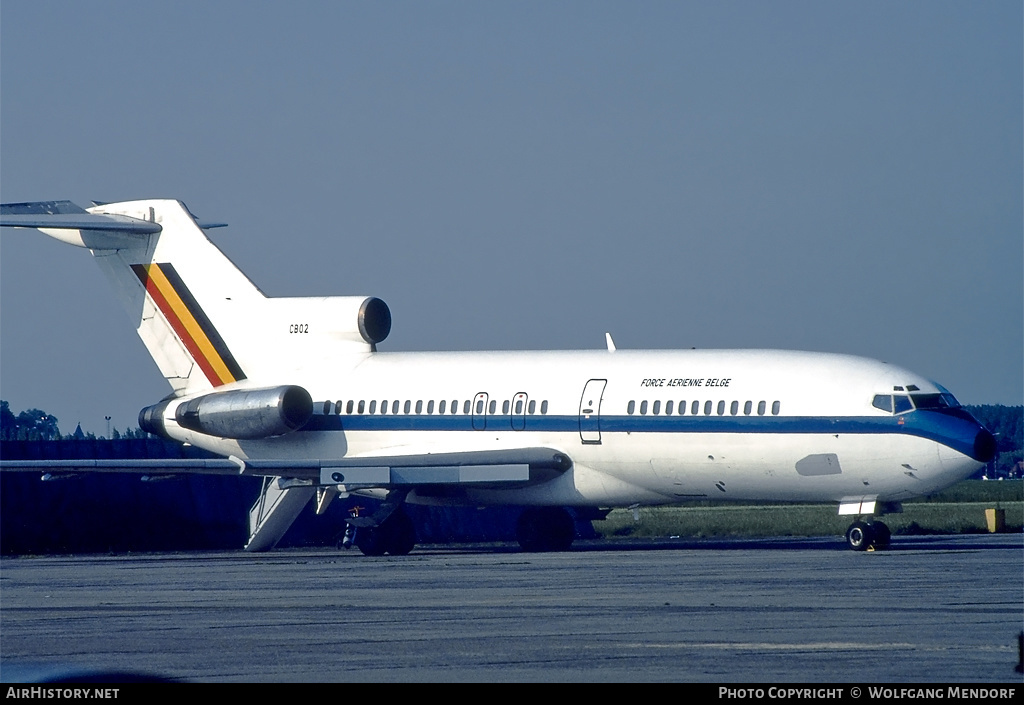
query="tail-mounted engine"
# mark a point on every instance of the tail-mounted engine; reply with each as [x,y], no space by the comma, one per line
[239,413]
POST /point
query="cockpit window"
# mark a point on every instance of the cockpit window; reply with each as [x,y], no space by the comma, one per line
[901,403]
[935,401]
[892,403]
[883,402]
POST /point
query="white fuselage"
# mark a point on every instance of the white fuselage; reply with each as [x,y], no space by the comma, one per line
[641,427]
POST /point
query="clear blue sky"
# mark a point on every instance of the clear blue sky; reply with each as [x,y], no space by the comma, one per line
[826,176]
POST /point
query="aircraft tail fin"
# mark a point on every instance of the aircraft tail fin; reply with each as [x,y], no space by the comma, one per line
[203,321]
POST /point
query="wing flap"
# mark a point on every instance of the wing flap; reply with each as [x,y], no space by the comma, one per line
[384,476]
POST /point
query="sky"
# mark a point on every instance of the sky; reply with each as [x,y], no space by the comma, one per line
[840,177]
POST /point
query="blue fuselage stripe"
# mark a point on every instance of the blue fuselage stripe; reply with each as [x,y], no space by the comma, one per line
[935,426]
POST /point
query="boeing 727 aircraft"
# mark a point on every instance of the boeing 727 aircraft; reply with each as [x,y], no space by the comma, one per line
[294,390]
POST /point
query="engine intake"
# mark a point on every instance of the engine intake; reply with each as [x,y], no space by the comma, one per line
[246,413]
[374,320]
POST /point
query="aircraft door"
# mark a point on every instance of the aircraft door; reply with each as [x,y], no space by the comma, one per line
[479,411]
[590,411]
[518,411]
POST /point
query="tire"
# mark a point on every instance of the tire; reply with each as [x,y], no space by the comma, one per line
[542,529]
[370,541]
[396,536]
[882,535]
[401,534]
[859,536]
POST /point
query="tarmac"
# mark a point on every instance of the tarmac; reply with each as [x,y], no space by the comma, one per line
[932,609]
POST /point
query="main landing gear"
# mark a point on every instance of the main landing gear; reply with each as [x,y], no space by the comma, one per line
[388,530]
[545,529]
[868,535]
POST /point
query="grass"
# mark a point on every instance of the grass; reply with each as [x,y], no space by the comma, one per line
[960,509]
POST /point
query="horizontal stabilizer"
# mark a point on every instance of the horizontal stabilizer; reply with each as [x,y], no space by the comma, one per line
[42,208]
[65,215]
[83,221]
[69,223]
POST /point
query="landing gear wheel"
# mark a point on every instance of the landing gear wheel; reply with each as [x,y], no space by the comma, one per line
[859,536]
[370,541]
[396,536]
[882,535]
[401,534]
[545,529]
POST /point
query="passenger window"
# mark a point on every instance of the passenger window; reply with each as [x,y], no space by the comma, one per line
[408,406]
[721,408]
[682,408]
[882,402]
[493,406]
[643,408]
[695,408]
[746,408]
[657,408]
[351,405]
[430,406]
[533,405]
[384,407]
[504,407]
[668,408]
[337,407]
[544,407]
[394,407]
[901,403]
[631,407]
[760,408]
[519,406]
[455,406]
[373,406]
[441,406]
[775,408]
[362,406]
[465,407]
[734,408]
[707,408]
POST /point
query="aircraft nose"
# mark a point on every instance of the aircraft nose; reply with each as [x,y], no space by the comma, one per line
[984,446]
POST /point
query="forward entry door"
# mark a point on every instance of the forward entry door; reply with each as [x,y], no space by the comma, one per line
[590,411]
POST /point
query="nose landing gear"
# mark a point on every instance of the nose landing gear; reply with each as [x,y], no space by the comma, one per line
[868,536]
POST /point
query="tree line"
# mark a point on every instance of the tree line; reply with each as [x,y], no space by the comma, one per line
[37,425]
[1005,422]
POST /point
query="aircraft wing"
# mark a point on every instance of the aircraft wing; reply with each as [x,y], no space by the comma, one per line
[291,483]
[487,466]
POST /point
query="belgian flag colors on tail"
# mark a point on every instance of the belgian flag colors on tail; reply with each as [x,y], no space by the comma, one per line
[189,322]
